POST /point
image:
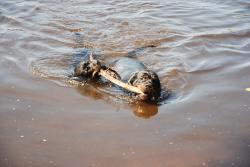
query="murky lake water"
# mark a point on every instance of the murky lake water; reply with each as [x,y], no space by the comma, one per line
[202,56]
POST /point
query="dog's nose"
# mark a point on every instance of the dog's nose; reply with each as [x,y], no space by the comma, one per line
[142,97]
[145,91]
[143,88]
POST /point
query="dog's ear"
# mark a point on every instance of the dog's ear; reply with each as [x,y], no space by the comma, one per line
[80,69]
[132,78]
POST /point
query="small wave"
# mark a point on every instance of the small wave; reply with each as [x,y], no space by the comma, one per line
[224,34]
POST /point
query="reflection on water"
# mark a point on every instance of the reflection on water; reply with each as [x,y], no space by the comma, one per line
[144,110]
[201,55]
[140,109]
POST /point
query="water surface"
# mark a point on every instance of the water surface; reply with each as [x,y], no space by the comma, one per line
[202,56]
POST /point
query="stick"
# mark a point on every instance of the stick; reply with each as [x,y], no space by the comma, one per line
[114,80]
[120,83]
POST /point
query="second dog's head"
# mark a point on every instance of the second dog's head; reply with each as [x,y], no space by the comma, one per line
[148,82]
[88,68]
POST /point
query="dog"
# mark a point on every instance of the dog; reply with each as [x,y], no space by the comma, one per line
[126,69]
[137,74]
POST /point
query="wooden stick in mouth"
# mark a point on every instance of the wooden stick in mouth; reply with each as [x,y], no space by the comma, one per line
[120,83]
[106,75]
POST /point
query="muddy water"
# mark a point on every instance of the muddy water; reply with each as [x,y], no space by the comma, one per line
[202,56]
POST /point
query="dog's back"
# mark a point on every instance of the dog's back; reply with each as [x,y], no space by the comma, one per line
[125,67]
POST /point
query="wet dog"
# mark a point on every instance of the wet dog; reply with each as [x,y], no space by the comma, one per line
[137,74]
[128,70]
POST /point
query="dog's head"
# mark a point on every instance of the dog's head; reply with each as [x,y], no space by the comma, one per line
[148,82]
[88,68]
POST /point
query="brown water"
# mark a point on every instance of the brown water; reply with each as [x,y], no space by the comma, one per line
[203,56]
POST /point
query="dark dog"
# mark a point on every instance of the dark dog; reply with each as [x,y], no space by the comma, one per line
[135,73]
[128,70]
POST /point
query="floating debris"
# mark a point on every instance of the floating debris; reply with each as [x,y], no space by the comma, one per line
[44,140]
